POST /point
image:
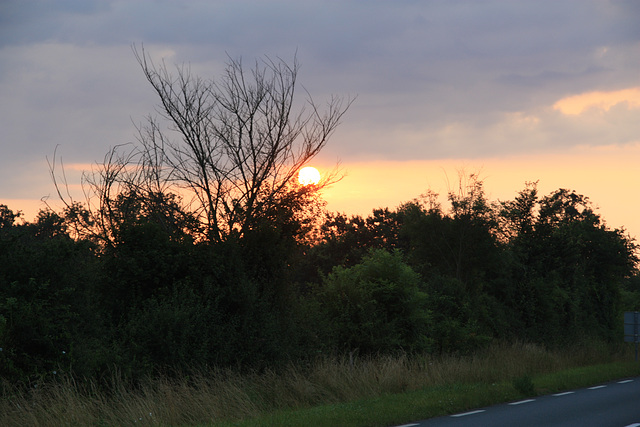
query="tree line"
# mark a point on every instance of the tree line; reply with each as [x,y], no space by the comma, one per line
[413,279]
[197,248]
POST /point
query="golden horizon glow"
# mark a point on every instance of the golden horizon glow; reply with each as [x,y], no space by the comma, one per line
[308,175]
[577,104]
[606,175]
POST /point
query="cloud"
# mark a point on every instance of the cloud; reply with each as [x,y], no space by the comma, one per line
[494,132]
[604,101]
[35,21]
[434,80]
[62,95]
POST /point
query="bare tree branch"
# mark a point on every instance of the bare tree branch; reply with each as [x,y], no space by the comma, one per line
[225,152]
[239,143]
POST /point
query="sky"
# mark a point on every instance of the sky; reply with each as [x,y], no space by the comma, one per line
[512,90]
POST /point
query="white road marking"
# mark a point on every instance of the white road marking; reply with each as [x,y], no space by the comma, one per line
[522,401]
[564,394]
[464,414]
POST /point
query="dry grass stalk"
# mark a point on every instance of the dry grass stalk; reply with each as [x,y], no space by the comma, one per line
[223,395]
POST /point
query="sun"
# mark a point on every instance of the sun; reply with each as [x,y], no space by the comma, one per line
[308,175]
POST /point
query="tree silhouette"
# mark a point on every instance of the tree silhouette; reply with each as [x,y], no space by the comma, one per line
[229,149]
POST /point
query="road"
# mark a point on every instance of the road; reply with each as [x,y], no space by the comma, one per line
[614,404]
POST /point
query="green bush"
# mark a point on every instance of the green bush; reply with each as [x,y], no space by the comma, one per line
[524,385]
[456,323]
[376,306]
[36,331]
[48,320]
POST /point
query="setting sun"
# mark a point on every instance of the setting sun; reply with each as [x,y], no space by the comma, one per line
[308,175]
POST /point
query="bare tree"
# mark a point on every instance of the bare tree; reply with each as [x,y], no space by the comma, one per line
[240,143]
[232,148]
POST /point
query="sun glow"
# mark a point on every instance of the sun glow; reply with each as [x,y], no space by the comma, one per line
[308,175]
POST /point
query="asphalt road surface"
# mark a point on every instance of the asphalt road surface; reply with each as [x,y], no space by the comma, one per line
[614,404]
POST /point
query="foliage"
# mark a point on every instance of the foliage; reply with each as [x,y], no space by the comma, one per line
[154,297]
[524,385]
[376,305]
[570,267]
[545,269]
[46,288]
[455,324]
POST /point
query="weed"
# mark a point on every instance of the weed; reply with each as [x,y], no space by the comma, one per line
[524,385]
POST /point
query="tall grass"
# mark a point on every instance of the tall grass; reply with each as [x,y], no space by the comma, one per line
[222,395]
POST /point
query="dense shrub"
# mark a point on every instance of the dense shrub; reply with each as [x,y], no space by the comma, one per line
[456,324]
[47,290]
[376,305]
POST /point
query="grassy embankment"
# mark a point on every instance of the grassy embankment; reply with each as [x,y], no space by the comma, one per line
[364,392]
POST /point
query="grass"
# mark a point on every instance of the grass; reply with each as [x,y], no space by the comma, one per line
[395,409]
[362,392]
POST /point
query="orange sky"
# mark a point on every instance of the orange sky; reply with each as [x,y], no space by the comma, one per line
[607,175]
